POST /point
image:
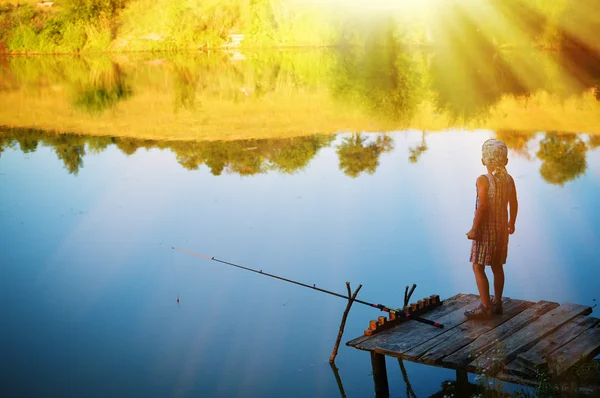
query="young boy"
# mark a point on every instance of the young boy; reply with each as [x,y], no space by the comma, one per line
[491,226]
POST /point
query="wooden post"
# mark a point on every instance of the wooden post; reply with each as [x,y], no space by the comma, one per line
[351,298]
[382,390]
[462,383]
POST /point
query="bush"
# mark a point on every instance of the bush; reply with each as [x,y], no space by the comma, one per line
[88,10]
[23,38]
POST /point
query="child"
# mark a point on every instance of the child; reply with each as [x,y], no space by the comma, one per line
[491,226]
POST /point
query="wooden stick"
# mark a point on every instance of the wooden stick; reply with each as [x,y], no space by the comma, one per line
[351,298]
[412,289]
[405,296]
[338,379]
[409,390]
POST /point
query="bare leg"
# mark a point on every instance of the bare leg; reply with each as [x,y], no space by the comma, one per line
[482,284]
[498,282]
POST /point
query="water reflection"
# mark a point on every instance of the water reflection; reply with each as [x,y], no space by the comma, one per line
[358,156]
[417,151]
[103,91]
[243,157]
[563,155]
[380,84]
[517,141]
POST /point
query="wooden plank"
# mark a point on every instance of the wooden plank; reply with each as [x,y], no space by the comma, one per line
[407,335]
[472,351]
[504,376]
[583,347]
[535,358]
[495,358]
[515,368]
[449,305]
[432,351]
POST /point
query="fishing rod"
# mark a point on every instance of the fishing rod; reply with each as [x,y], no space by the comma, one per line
[314,287]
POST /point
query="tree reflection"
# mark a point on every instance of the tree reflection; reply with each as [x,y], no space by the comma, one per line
[357,156]
[378,74]
[243,157]
[594,141]
[71,152]
[416,152]
[249,157]
[28,144]
[563,157]
[103,92]
[517,141]
[186,78]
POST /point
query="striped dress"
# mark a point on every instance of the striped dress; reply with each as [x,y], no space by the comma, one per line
[490,247]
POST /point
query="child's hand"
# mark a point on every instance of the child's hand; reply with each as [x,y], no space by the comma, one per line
[511,229]
[472,234]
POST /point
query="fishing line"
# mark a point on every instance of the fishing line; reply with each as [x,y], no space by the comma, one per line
[314,287]
[176,276]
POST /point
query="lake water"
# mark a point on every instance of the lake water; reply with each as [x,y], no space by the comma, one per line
[365,177]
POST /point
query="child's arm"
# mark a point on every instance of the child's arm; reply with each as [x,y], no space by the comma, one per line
[514,208]
[482,193]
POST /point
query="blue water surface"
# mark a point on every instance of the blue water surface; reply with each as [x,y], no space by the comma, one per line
[89,279]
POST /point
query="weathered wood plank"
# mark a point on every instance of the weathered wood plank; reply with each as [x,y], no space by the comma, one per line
[515,368]
[524,381]
[494,359]
[432,351]
[536,357]
[467,354]
[449,305]
[405,336]
[583,347]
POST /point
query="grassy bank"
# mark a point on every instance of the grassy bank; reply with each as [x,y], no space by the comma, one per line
[72,26]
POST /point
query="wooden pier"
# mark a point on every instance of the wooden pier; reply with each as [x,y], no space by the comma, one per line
[528,336]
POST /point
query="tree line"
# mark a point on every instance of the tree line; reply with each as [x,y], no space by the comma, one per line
[563,155]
